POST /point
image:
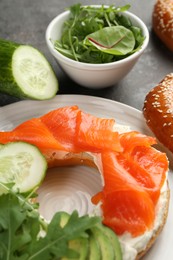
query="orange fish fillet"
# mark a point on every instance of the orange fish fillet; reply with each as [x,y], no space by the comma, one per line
[132,183]
[66,129]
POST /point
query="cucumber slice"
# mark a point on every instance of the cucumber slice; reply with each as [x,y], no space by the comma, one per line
[22,164]
[25,72]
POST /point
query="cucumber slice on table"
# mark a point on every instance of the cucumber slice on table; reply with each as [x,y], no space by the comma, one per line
[22,164]
[25,72]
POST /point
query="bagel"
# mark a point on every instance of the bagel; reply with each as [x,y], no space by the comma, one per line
[162,21]
[158,111]
[112,146]
[130,247]
[146,241]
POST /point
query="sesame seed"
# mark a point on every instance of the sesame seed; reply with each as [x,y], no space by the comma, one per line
[160,111]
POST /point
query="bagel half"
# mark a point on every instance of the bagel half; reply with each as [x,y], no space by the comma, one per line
[162,22]
[158,111]
[161,211]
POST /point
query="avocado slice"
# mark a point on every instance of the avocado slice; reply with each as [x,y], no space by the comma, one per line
[81,246]
[94,248]
[106,248]
[101,243]
[64,218]
[114,240]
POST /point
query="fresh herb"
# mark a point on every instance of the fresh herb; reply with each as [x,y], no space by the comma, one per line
[25,236]
[98,35]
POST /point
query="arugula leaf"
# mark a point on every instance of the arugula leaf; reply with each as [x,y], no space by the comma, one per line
[17,228]
[21,235]
[75,9]
[55,243]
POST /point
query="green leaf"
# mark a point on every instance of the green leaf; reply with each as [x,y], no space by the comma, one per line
[76,225]
[75,9]
[21,235]
[124,21]
[138,35]
[123,8]
[85,20]
[115,40]
[55,243]
[17,228]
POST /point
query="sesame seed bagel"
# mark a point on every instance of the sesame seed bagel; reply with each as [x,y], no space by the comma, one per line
[162,21]
[158,111]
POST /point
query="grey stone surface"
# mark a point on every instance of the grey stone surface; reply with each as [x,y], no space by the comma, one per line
[25,21]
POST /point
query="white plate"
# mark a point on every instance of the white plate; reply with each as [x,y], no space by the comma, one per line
[76,191]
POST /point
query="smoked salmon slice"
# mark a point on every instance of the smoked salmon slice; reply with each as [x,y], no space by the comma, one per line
[146,164]
[32,131]
[95,134]
[62,123]
[68,129]
[132,182]
[128,210]
[133,171]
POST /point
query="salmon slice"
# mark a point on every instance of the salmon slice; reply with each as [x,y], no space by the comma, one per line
[143,178]
[126,206]
[62,124]
[67,129]
[79,131]
[146,164]
[132,182]
[115,175]
[134,138]
[153,162]
[34,132]
[128,210]
[96,134]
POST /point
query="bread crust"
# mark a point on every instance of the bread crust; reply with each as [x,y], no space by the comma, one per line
[55,160]
[158,111]
[162,21]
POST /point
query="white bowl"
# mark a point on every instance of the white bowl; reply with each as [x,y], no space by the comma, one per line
[93,75]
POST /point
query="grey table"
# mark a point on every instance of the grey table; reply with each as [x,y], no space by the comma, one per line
[25,21]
